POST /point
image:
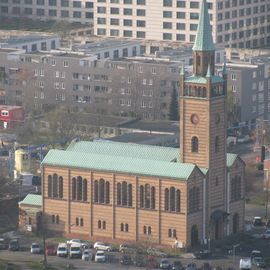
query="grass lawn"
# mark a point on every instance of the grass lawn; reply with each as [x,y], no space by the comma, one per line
[3,266]
[39,266]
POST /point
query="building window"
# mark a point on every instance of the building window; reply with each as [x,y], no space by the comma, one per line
[77,221]
[53,218]
[172,233]
[172,200]
[79,188]
[49,186]
[104,225]
[119,197]
[96,191]
[122,227]
[124,193]
[85,190]
[147,230]
[74,188]
[107,192]
[142,196]
[236,193]
[60,187]
[55,185]
[147,196]
[99,224]
[216,144]
[178,201]
[153,198]
[81,222]
[126,227]
[194,199]
[130,195]
[194,144]
[101,191]
[57,219]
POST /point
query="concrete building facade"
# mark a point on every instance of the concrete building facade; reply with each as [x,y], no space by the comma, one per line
[236,24]
[151,194]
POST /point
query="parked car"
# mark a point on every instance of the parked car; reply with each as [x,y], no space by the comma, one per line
[191,266]
[126,248]
[257,221]
[245,263]
[156,252]
[243,139]
[126,260]
[100,256]
[50,250]
[86,255]
[202,254]
[75,250]
[62,250]
[259,262]
[102,246]
[206,266]
[164,264]
[3,243]
[177,265]
[255,253]
[83,243]
[266,234]
[35,248]
[14,245]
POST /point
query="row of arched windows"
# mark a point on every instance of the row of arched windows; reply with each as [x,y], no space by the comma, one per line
[194,199]
[79,189]
[55,186]
[236,188]
[172,200]
[102,191]
[191,91]
[124,194]
[147,197]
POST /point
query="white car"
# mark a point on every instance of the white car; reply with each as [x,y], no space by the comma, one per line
[266,234]
[86,255]
[83,243]
[62,250]
[102,246]
[245,263]
[35,248]
[75,251]
[100,256]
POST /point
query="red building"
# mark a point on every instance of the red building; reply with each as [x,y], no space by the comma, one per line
[11,116]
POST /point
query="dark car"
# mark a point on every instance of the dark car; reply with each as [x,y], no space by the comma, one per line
[164,264]
[126,260]
[257,222]
[126,248]
[177,265]
[139,261]
[259,262]
[3,243]
[202,254]
[50,250]
[14,245]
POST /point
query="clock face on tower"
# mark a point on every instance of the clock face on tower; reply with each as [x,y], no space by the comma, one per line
[194,119]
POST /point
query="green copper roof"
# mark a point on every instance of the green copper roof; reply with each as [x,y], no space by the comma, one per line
[203,80]
[208,74]
[204,39]
[231,159]
[32,199]
[131,150]
[120,164]
[126,158]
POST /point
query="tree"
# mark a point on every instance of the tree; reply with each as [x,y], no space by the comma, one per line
[233,109]
[174,114]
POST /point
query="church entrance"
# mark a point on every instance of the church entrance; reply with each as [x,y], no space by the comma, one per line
[235,223]
[194,236]
[217,220]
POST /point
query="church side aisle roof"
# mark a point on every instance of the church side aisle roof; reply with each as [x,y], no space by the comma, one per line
[203,80]
[125,158]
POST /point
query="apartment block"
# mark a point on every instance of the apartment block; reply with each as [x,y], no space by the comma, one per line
[235,23]
[80,11]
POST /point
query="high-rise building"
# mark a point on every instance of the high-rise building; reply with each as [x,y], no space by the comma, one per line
[80,11]
[235,23]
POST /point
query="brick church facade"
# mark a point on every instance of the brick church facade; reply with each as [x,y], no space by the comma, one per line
[131,192]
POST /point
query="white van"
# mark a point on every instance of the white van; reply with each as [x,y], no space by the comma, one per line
[62,250]
[245,264]
[75,251]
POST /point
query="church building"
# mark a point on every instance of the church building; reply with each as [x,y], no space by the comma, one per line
[131,192]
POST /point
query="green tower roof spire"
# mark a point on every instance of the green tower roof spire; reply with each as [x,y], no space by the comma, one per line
[208,75]
[204,39]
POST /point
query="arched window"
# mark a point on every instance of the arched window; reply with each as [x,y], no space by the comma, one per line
[81,222]
[57,219]
[178,201]
[170,232]
[172,199]
[107,192]
[144,230]
[124,193]
[104,225]
[101,191]
[99,224]
[119,197]
[149,230]
[55,185]
[49,186]
[84,190]
[96,191]
[147,196]
[122,227]
[77,221]
[174,233]
[194,144]
[126,227]
[61,187]
[74,188]
[153,198]
[197,198]
[53,218]
[166,199]
[191,200]
[216,144]
[79,188]
[142,196]
[204,92]
[130,195]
